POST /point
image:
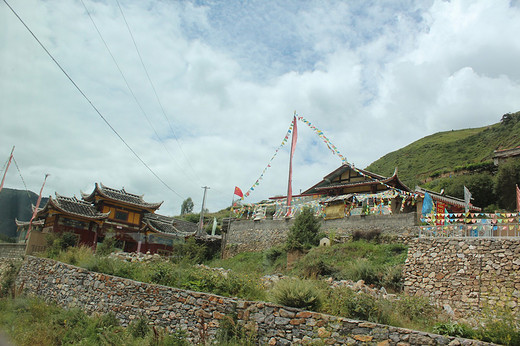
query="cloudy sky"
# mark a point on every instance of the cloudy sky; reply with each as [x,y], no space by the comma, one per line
[208,95]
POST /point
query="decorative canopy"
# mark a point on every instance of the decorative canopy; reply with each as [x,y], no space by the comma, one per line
[120,196]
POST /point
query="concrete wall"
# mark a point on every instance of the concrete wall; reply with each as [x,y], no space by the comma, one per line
[465,273]
[12,250]
[248,235]
[200,313]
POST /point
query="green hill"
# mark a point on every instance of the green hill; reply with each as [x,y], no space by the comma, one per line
[450,152]
[15,204]
[453,159]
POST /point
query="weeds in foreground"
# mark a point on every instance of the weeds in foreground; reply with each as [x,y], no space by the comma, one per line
[30,321]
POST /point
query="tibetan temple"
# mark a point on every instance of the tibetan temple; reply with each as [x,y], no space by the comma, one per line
[350,191]
[108,212]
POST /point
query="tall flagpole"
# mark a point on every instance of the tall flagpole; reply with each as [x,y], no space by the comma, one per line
[6,168]
[293,146]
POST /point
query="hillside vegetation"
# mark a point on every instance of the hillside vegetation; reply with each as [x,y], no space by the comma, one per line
[450,152]
[454,159]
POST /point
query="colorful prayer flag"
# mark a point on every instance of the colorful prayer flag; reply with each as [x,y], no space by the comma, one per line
[238,192]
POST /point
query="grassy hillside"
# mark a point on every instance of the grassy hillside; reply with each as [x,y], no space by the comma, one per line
[450,151]
[15,204]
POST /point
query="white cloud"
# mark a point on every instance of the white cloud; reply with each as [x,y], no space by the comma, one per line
[373,77]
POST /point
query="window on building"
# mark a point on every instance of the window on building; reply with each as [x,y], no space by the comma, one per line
[121,215]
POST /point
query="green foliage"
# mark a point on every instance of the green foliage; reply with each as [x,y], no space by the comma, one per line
[454,329]
[370,235]
[34,322]
[231,332]
[378,264]
[297,293]
[345,302]
[499,325]
[8,278]
[139,328]
[507,177]
[59,242]
[107,246]
[191,252]
[448,150]
[304,233]
[187,206]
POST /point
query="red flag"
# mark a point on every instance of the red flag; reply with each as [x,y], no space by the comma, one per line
[517,198]
[238,192]
[293,146]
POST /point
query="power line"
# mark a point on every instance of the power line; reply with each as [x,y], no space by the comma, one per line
[155,91]
[129,88]
[90,102]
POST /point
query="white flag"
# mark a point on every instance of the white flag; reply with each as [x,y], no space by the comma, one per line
[467,198]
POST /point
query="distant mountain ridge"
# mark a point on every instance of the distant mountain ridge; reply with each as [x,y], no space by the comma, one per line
[16,204]
[449,152]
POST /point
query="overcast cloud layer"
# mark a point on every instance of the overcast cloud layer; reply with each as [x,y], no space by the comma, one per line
[372,75]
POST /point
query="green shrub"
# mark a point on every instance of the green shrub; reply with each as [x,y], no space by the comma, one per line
[393,278]
[139,328]
[415,307]
[8,279]
[297,293]
[60,242]
[315,269]
[345,302]
[304,233]
[499,325]
[107,246]
[231,332]
[454,329]
[370,235]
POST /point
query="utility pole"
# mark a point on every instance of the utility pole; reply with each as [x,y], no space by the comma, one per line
[200,231]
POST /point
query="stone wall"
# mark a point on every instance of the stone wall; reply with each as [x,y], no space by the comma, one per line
[12,250]
[199,314]
[465,274]
[248,235]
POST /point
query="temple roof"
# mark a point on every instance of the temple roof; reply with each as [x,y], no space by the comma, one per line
[119,196]
[169,225]
[370,179]
[446,199]
[73,206]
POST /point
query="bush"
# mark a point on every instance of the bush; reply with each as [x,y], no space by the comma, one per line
[345,302]
[454,329]
[297,293]
[139,328]
[371,235]
[107,246]
[499,325]
[415,308]
[231,332]
[304,233]
[60,242]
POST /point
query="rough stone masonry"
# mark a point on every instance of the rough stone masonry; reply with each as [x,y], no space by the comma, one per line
[465,275]
[199,314]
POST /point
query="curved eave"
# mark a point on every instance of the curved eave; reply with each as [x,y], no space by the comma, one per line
[59,208]
[99,189]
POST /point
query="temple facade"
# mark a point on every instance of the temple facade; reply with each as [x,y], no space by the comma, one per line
[105,213]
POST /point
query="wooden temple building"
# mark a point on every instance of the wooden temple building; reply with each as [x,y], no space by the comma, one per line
[108,212]
[350,191]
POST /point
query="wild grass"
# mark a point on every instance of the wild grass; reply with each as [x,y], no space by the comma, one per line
[30,321]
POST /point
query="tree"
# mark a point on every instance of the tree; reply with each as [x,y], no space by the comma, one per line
[187,206]
[304,233]
[507,177]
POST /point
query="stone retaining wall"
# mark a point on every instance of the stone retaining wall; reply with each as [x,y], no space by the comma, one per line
[465,274]
[199,314]
[12,250]
[248,235]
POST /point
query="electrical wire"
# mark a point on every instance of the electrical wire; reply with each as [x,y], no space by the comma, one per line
[130,89]
[155,91]
[90,102]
